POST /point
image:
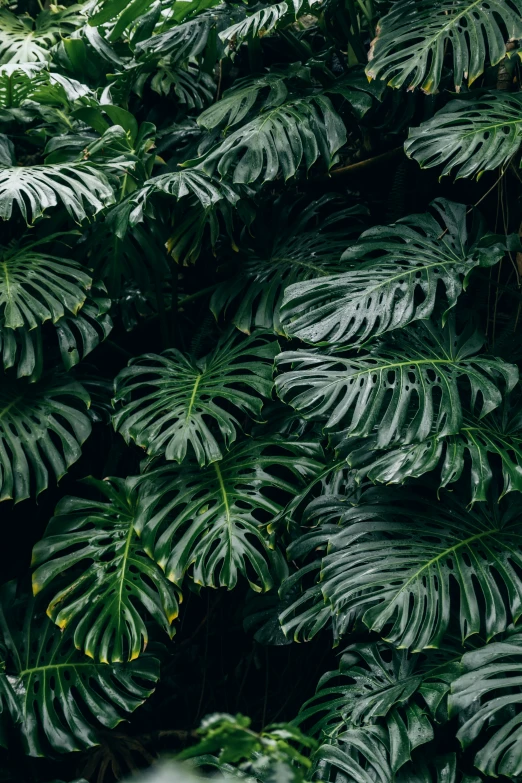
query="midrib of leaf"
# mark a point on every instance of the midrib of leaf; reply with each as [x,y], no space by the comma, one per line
[484,128]
[47,667]
[125,558]
[411,271]
[193,397]
[455,548]
[9,405]
[453,20]
[224,496]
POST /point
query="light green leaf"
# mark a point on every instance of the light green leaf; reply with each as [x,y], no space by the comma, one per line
[83,189]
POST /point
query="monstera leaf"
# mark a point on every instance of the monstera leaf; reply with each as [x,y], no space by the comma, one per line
[82,188]
[213,521]
[394,559]
[108,585]
[42,428]
[37,286]
[494,437]
[489,697]
[469,136]
[305,246]
[264,20]
[187,39]
[369,687]
[277,141]
[237,102]
[76,335]
[407,388]
[173,402]
[27,40]
[391,278]
[412,40]
[63,698]
[32,81]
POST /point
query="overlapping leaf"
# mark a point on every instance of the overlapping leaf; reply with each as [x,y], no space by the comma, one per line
[406,389]
[42,428]
[173,402]
[483,441]
[36,286]
[27,40]
[393,562]
[489,696]
[278,141]
[306,247]
[63,698]
[413,37]
[469,136]
[107,586]
[83,189]
[391,278]
[212,521]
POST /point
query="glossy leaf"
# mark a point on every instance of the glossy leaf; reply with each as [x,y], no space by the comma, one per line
[306,246]
[394,562]
[107,585]
[36,286]
[469,136]
[407,388]
[483,441]
[82,188]
[27,40]
[489,696]
[212,521]
[64,698]
[42,428]
[390,278]
[277,142]
[413,37]
[174,405]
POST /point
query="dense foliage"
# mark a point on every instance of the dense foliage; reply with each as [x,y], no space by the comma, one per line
[260,290]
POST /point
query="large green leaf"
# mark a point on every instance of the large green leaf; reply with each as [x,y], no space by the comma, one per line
[305,245]
[495,438]
[42,427]
[238,101]
[406,389]
[76,336]
[278,141]
[36,286]
[470,135]
[397,561]
[27,40]
[412,40]
[107,584]
[172,402]
[212,521]
[391,278]
[489,696]
[187,39]
[402,692]
[63,698]
[32,81]
[83,189]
